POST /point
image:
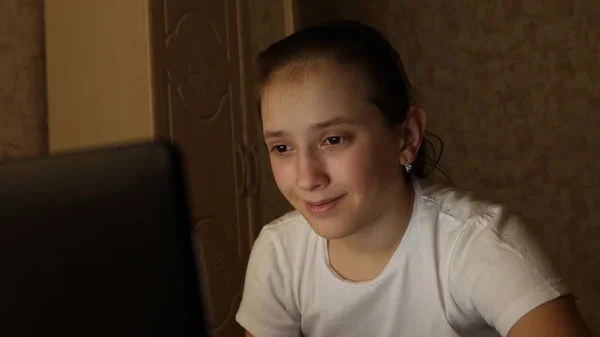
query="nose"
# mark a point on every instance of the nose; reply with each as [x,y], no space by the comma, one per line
[310,172]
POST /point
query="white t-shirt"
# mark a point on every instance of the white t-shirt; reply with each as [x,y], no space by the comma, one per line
[463,268]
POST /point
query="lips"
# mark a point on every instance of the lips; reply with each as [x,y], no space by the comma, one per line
[324,205]
[322,202]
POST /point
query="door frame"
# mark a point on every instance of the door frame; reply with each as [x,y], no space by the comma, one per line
[290,12]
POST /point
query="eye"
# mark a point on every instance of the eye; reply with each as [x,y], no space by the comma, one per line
[279,149]
[335,140]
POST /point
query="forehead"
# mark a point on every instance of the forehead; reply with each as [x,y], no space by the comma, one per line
[298,97]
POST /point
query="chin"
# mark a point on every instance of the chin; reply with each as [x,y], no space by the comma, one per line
[331,229]
[336,224]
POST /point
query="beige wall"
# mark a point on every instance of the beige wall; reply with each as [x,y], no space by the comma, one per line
[512,88]
[23,127]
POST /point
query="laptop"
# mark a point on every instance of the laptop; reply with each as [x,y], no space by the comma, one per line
[98,243]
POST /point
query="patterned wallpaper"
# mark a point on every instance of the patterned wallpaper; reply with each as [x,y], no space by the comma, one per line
[512,88]
[23,125]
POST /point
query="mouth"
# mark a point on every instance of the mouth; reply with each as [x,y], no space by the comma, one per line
[323,206]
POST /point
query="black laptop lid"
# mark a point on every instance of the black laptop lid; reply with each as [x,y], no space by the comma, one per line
[98,243]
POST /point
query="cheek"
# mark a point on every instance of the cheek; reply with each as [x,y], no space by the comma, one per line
[352,169]
[348,170]
[364,168]
[283,175]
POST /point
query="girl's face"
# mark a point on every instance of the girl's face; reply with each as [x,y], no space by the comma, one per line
[333,156]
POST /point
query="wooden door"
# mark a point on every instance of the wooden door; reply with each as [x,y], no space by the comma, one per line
[269,21]
[198,89]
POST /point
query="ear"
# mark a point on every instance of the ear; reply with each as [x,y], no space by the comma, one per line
[411,134]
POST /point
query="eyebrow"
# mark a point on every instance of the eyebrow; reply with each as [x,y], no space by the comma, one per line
[335,121]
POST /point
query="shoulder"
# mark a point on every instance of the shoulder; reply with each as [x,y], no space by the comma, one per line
[480,225]
[456,215]
[290,230]
[291,223]
[457,204]
[272,267]
[269,302]
[498,270]
[282,240]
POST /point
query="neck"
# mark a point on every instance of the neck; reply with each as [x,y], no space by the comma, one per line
[386,231]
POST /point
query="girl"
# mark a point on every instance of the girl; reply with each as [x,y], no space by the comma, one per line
[371,251]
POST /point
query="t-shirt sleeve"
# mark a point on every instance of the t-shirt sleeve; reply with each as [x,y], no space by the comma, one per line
[268,308]
[499,272]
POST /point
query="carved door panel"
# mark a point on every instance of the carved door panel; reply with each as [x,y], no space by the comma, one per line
[198,85]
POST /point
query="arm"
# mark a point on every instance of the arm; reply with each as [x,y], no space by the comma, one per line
[557,318]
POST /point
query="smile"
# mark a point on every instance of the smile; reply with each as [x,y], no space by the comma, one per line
[323,206]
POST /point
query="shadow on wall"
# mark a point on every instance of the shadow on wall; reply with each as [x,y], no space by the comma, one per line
[511,88]
[23,117]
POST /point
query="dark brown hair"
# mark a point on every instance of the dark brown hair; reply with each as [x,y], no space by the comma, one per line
[350,43]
